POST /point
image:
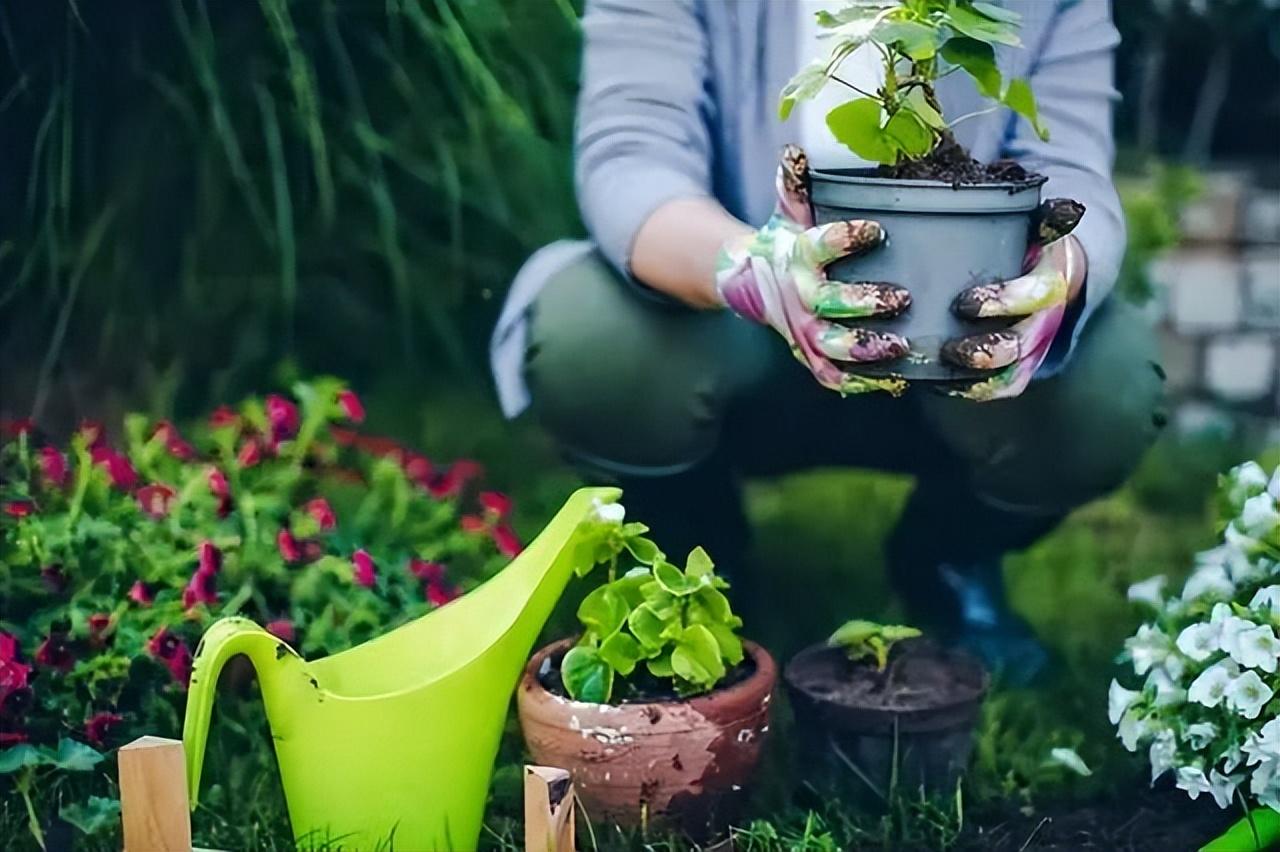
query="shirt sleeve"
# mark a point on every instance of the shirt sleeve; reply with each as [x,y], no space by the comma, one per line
[1072,77]
[641,136]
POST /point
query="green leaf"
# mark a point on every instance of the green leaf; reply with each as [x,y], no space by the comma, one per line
[856,125]
[898,632]
[696,657]
[646,626]
[967,21]
[698,564]
[75,756]
[853,632]
[714,606]
[585,676]
[1020,99]
[643,550]
[603,611]
[20,756]
[660,666]
[621,652]
[93,815]
[910,133]
[730,644]
[672,579]
[996,13]
[920,105]
[918,41]
[807,82]
[979,62]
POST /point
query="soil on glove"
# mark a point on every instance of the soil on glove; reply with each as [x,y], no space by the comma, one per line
[951,163]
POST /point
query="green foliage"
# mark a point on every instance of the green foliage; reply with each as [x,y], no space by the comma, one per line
[867,640]
[654,623]
[113,562]
[919,42]
[1153,208]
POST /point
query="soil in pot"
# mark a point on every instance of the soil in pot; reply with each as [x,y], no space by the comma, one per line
[863,730]
[654,760]
[951,163]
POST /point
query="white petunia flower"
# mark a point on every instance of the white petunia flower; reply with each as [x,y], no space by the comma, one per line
[1119,700]
[1223,787]
[1210,688]
[1247,693]
[1199,641]
[1264,745]
[1147,648]
[1244,481]
[1208,581]
[1257,648]
[1149,591]
[610,513]
[1133,729]
[1163,753]
[1232,757]
[1240,540]
[1192,779]
[1231,629]
[1259,516]
[1067,757]
[1200,734]
[1266,599]
[1273,487]
[1167,692]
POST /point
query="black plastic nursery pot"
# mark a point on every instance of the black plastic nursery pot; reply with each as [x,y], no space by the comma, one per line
[942,239]
[863,731]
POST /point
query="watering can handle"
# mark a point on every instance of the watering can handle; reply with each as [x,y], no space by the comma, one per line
[227,638]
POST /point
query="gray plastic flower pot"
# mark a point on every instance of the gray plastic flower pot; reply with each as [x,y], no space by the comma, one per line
[941,240]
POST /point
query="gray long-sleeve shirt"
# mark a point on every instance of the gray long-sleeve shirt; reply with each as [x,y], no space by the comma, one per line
[679,99]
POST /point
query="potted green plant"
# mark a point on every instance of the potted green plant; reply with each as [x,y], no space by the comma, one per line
[952,222]
[658,709]
[878,704]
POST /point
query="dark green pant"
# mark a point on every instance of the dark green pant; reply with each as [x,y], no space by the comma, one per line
[674,403]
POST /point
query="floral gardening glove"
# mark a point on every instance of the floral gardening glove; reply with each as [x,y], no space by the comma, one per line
[1054,272]
[776,277]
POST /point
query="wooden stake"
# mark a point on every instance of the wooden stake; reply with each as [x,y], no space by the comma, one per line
[153,796]
[548,810]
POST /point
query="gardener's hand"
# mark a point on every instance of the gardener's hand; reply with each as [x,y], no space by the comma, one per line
[776,276]
[1055,268]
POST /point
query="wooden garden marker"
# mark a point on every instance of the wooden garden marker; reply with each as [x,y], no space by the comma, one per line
[153,796]
[548,810]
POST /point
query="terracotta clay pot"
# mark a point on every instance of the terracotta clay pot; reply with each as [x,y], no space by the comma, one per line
[920,716]
[683,764]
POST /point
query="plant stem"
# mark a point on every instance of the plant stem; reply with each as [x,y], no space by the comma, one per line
[855,88]
[24,789]
[974,114]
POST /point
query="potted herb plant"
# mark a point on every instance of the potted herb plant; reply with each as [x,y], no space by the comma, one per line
[975,219]
[878,705]
[659,709]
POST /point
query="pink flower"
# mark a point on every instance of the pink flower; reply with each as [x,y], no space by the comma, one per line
[351,406]
[8,738]
[54,581]
[98,624]
[431,572]
[200,589]
[156,499]
[454,479]
[320,510]
[283,416]
[418,469]
[118,468]
[496,504]
[19,508]
[439,594]
[223,417]
[97,726]
[173,442]
[209,558]
[162,644]
[508,543]
[218,483]
[14,428]
[365,571]
[473,524]
[173,652]
[91,432]
[250,453]
[288,546]
[139,593]
[14,674]
[54,652]
[53,465]
[281,628]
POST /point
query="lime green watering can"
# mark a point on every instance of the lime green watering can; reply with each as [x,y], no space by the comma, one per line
[391,744]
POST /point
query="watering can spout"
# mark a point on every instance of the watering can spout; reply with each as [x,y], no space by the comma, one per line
[275,663]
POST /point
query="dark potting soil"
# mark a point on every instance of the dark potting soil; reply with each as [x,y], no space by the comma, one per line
[951,163]
[640,687]
[919,676]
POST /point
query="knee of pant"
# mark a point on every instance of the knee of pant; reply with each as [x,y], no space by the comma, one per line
[609,380]
[1085,443]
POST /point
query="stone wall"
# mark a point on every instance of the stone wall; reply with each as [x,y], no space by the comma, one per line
[1218,306]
